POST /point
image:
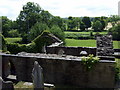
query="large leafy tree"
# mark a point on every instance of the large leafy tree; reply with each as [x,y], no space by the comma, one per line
[28,16]
[97,26]
[87,22]
[46,17]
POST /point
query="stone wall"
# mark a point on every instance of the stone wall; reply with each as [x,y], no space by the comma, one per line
[65,71]
[71,50]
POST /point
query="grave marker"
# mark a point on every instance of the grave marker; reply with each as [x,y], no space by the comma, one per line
[37,74]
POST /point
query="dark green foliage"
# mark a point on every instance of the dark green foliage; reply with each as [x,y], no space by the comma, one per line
[56,30]
[89,61]
[86,21]
[97,26]
[6,25]
[3,43]
[35,46]
[13,33]
[36,30]
[15,48]
[42,40]
[28,16]
[82,26]
[115,31]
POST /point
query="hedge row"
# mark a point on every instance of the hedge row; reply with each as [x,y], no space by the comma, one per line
[35,47]
[15,48]
[79,36]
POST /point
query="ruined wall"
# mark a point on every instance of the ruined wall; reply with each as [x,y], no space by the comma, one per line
[71,50]
[63,71]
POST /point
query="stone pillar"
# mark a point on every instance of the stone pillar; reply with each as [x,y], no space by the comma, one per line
[105,45]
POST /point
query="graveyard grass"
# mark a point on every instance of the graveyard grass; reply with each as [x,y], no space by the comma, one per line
[21,85]
[87,43]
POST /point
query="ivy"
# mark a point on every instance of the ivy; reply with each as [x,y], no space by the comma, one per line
[89,61]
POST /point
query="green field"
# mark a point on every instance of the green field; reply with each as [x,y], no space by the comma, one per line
[86,43]
[13,40]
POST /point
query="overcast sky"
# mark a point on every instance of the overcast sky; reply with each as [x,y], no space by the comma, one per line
[63,8]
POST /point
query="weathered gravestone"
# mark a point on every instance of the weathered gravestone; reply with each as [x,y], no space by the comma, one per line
[104,45]
[37,74]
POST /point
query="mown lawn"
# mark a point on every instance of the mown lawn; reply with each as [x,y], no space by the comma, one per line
[13,40]
[87,43]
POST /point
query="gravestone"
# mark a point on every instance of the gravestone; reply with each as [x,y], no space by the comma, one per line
[61,52]
[104,45]
[37,74]
[83,53]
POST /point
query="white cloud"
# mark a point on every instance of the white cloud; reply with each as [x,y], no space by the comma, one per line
[63,8]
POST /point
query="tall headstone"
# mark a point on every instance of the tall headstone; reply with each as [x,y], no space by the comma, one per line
[37,74]
[104,45]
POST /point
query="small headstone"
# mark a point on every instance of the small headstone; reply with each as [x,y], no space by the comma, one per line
[61,52]
[83,53]
[105,45]
[37,74]
[44,49]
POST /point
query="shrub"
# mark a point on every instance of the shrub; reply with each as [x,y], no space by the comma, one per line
[3,46]
[56,30]
[15,48]
[13,33]
[89,61]
[115,31]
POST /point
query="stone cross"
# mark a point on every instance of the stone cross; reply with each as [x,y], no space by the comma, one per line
[37,74]
[104,45]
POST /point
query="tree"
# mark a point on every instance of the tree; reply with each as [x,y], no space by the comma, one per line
[115,31]
[28,16]
[36,30]
[114,19]
[97,26]
[46,17]
[82,26]
[56,20]
[87,22]
[56,30]
[73,23]
[6,25]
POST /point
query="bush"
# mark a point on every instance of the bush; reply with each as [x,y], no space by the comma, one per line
[115,31]
[13,33]
[15,48]
[89,61]
[3,46]
[56,30]
[34,47]
[78,36]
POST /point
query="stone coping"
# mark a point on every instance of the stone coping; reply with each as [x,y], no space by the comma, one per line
[51,57]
